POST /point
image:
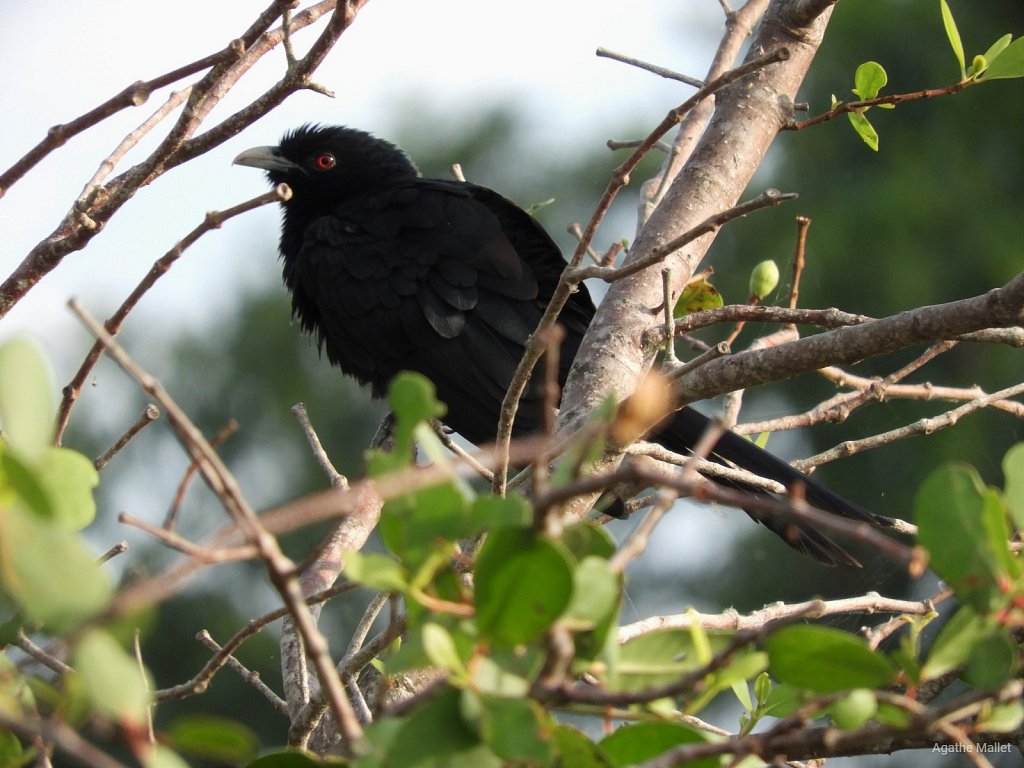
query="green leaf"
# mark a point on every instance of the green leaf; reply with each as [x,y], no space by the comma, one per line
[516,729]
[699,294]
[436,735]
[588,540]
[595,594]
[869,79]
[660,657]
[575,750]
[213,738]
[440,649]
[412,525]
[523,583]
[1013,471]
[976,642]
[864,129]
[997,48]
[1001,718]
[111,678]
[993,661]
[1008,64]
[413,400]
[68,478]
[11,753]
[963,525]
[954,36]
[632,744]
[291,758]
[26,406]
[490,512]
[505,673]
[49,572]
[20,482]
[379,572]
[159,756]
[823,659]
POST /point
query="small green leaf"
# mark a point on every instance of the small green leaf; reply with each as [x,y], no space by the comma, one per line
[49,572]
[159,756]
[764,278]
[577,751]
[297,758]
[490,512]
[660,657]
[213,738]
[11,753]
[440,649]
[1013,494]
[699,294]
[379,572]
[963,526]
[954,36]
[111,678]
[825,660]
[869,79]
[412,525]
[68,478]
[595,596]
[864,129]
[516,729]
[436,735]
[632,744]
[762,689]
[997,48]
[1008,64]
[1001,718]
[523,583]
[413,400]
[26,406]
[956,641]
[742,692]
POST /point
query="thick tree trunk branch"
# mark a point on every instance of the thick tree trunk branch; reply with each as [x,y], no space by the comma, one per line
[1001,307]
[748,115]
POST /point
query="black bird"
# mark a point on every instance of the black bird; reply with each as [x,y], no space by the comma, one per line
[391,271]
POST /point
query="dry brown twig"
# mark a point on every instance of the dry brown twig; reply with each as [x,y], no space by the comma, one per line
[279,568]
[181,142]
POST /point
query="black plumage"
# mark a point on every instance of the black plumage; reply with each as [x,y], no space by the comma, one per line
[391,271]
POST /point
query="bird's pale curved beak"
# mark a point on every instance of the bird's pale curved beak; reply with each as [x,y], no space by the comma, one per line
[267,158]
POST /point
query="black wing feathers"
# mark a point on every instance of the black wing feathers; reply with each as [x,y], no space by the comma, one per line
[425,277]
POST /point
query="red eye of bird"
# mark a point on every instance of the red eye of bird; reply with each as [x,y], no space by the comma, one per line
[324,161]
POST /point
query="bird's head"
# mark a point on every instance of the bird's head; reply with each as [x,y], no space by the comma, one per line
[327,163]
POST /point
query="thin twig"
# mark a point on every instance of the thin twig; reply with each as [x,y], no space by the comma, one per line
[279,568]
[919,427]
[201,681]
[660,71]
[149,414]
[249,676]
[568,281]
[47,659]
[337,479]
[171,519]
[212,220]
[768,198]
[734,621]
[118,549]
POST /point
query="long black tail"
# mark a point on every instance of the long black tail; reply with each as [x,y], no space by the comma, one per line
[682,431]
